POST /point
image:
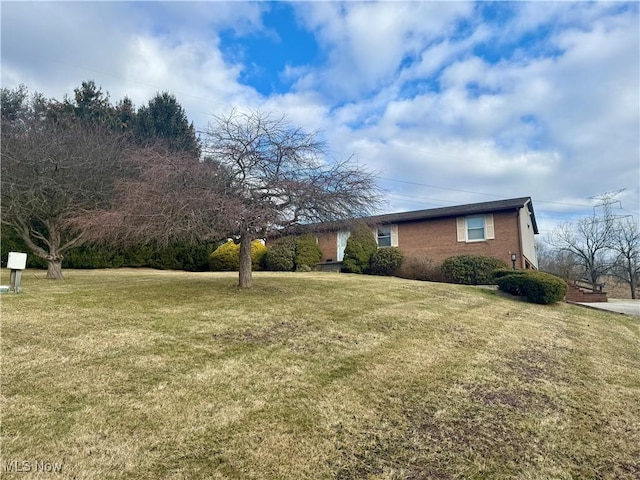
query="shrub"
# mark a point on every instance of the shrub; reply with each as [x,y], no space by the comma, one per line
[226,258]
[361,245]
[307,253]
[471,269]
[178,256]
[504,272]
[421,268]
[293,253]
[110,256]
[281,255]
[140,255]
[258,251]
[386,261]
[92,256]
[538,287]
[182,256]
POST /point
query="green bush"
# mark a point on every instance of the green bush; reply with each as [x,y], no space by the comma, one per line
[110,256]
[140,255]
[307,253]
[361,245]
[386,261]
[281,255]
[293,253]
[181,256]
[177,256]
[93,256]
[226,258]
[504,272]
[512,288]
[471,269]
[538,287]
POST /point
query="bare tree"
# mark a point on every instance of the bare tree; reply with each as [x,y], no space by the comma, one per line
[626,245]
[50,172]
[171,197]
[562,263]
[588,241]
[281,178]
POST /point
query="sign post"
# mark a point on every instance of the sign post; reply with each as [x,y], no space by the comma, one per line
[16,262]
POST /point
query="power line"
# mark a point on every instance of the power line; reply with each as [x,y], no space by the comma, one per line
[477,193]
[543,214]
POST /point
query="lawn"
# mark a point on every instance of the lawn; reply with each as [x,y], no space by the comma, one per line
[141,374]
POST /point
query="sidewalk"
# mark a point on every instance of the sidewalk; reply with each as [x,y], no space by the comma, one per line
[628,307]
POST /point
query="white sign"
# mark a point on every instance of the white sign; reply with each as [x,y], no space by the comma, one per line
[17,261]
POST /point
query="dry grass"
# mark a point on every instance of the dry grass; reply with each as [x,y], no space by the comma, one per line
[140,374]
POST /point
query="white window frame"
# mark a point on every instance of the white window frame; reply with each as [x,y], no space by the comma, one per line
[472,228]
[487,227]
[392,235]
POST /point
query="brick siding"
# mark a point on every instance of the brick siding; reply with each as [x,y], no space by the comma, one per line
[328,243]
[577,294]
[436,239]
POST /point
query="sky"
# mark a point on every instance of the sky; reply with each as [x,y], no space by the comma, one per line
[447,102]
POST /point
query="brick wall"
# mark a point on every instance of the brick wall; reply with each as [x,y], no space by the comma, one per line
[328,244]
[577,294]
[437,239]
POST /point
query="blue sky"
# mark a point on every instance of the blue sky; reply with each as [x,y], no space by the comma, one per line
[451,102]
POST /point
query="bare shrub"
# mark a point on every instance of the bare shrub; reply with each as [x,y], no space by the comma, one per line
[421,268]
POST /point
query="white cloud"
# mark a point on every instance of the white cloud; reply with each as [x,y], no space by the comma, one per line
[563,127]
[399,85]
[366,43]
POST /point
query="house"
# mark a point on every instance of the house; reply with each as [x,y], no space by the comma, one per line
[503,229]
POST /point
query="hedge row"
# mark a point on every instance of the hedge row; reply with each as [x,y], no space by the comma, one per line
[179,256]
[286,254]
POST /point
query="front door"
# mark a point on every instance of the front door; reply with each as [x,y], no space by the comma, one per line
[342,243]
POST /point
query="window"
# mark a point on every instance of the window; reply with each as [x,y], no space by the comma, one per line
[475,228]
[384,236]
[387,235]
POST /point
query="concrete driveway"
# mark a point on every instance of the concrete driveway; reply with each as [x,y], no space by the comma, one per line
[628,307]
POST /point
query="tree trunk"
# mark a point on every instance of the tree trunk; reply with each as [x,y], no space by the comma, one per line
[54,268]
[245,261]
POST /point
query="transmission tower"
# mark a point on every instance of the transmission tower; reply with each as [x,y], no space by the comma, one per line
[606,200]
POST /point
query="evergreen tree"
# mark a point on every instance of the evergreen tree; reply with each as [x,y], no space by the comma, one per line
[163,118]
[361,245]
